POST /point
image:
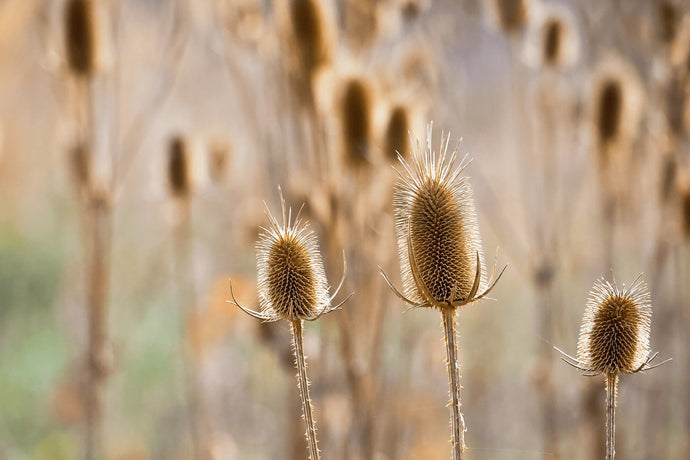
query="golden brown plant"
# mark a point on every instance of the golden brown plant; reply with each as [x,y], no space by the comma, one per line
[292,286]
[609,111]
[614,340]
[218,161]
[310,34]
[440,250]
[685,210]
[397,133]
[81,37]
[668,21]
[512,14]
[356,122]
[179,168]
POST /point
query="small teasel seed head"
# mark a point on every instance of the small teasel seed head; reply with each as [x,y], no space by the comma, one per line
[308,28]
[685,211]
[80,36]
[668,21]
[553,41]
[512,14]
[179,167]
[609,112]
[397,133]
[291,276]
[614,337]
[356,121]
[434,206]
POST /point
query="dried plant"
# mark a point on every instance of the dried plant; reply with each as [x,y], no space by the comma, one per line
[218,161]
[292,286]
[512,14]
[397,133]
[356,122]
[614,340]
[440,250]
[81,37]
[609,110]
[179,168]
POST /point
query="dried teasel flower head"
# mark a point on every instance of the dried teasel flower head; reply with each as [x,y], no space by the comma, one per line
[667,16]
[610,106]
[397,137]
[553,40]
[685,211]
[356,118]
[511,15]
[437,229]
[292,281]
[81,37]
[179,167]
[310,30]
[614,337]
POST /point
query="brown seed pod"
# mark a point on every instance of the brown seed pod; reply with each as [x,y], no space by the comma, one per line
[291,277]
[553,41]
[438,233]
[179,167]
[668,21]
[610,106]
[397,141]
[614,337]
[308,26]
[512,14]
[80,36]
[356,122]
[685,212]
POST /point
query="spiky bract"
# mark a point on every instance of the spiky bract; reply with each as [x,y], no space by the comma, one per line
[434,206]
[614,337]
[291,277]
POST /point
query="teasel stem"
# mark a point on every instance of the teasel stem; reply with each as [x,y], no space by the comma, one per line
[457,421]
[611,390]
[303,384]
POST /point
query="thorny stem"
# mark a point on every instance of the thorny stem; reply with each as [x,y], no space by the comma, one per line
[611,390]
[457,421]
[304,388]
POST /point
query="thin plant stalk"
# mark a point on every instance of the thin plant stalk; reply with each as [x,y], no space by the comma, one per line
[611,390]
[457,421]
[304,388]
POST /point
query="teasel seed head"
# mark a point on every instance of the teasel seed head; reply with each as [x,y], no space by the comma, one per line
[614,337]
[291,278]
[397,140]
[309,30]
[437,229]
[668,21]
[685,211]
[512,14]
[81,36]
[179,167]
[356,122]
[610,106]
[218,161]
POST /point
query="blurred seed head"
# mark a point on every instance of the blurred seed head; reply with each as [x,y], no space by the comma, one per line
[81,37]
[362,23]
[614,337]
[668,21]
[179,167]
[433,204]
[356,116]
[512,15]
[553,37]
[291,277]
[397,140]
[80,163]
[685,211]
[309,30]
[610,106]
[218,161]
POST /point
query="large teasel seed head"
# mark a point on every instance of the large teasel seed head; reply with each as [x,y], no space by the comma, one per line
[80,36]
[309,30]
[434,212]
[291,277]
[179,167]
[553,41]
[356,122]
[614,337]
[397,141]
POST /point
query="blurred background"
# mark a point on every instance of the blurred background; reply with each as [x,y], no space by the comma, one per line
[139,140]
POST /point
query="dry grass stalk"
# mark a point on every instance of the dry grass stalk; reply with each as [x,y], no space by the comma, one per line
[81,37]
[440,250]
[292,286]
[614,340]
[356,123]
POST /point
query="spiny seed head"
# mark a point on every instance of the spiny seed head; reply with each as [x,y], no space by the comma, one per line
[609,112]
[434,206]
[397,133]
[614,337]
[291,277]
[356,120]
[80,36]
[179,167]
